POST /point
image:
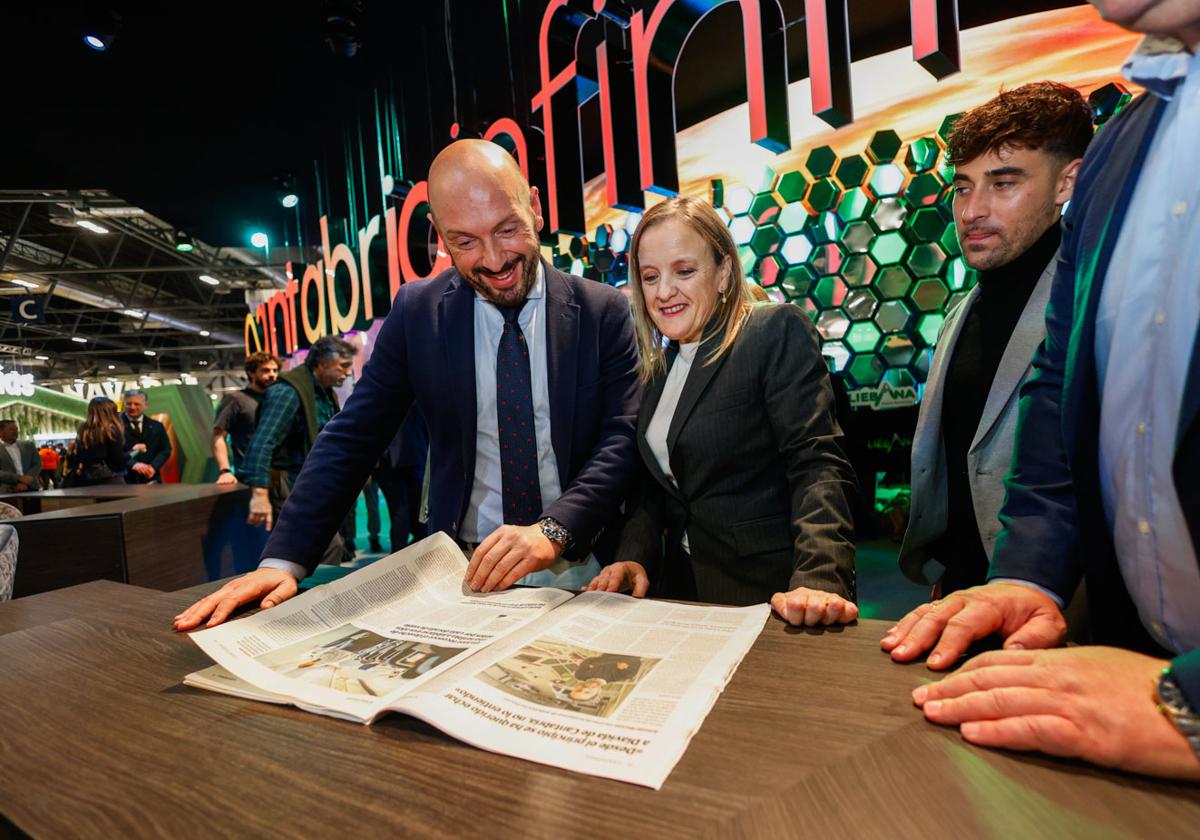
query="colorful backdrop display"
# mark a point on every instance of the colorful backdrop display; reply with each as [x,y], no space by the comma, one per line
[834,187]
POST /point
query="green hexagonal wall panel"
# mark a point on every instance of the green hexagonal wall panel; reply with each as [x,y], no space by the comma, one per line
[792,186]
[851,171]
[823,195]
[884,146]
[820,162]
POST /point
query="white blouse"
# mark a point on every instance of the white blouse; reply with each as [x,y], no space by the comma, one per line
[664,412]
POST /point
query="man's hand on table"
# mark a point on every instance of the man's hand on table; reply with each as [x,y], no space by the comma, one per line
[508,554]
[260,508]
[621,576]
[812,607]
[226,478]
[1093,703]
[1026,617]
[272,586]
[143,470]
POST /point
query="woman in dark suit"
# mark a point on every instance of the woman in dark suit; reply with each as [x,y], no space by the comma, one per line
[99,447]
[742,472]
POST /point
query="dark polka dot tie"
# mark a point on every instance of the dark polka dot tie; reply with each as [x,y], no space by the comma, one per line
[514,413]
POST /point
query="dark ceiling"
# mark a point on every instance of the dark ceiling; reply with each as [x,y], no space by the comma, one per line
[198,107]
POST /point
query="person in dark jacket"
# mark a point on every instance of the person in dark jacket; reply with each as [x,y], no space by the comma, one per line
[99,456]
[147,446]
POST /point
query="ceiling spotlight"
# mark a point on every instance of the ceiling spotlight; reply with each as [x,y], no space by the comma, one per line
[202,362]
[205,333]
[42,358]
[134,313]
[92,226]
[112,367]
[212,397]
[210,280]
[290,200]
[78,339]
[100,29]
[149,352]
[183,242]
[22,282]
[259,239]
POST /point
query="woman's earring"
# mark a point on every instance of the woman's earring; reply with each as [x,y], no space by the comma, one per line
[722,293]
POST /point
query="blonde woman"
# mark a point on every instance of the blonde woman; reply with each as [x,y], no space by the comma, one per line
[742,472]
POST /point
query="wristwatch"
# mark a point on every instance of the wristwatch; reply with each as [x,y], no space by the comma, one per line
[224,470]
[1173,704]
[556,532]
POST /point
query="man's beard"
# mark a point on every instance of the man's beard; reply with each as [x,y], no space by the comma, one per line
[512,296]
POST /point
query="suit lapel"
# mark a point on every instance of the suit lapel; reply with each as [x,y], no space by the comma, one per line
[1107,200]
[1189,409]
[456,314]
[7,459]
[562,363]
[1028,334]
[650,400]
[928,435]
[698,378]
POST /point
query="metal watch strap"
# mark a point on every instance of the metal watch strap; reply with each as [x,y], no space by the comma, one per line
[555,531]
[1173,704]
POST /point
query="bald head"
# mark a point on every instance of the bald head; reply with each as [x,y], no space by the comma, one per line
[488,217]
[474,165]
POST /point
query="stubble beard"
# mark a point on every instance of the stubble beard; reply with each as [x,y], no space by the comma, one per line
[505,298]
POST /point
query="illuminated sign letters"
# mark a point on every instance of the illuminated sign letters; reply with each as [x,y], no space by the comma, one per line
[592,48]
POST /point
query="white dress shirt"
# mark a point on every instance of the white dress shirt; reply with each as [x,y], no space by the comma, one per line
[14,452]
[485,510]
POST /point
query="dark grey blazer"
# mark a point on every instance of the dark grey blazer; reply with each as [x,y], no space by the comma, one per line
[990,456]
[763,484]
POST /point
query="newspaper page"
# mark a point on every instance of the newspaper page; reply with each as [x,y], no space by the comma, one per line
[606,685]
[352,647]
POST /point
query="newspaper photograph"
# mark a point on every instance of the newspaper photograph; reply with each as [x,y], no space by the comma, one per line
[597,683]
[353,646]
[605,684]
[560,675]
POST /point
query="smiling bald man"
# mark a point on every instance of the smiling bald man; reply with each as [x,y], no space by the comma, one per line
[502,353]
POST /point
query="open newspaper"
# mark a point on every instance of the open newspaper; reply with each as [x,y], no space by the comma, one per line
[598,683]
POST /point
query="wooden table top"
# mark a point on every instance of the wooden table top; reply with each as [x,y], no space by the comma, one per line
[813,736]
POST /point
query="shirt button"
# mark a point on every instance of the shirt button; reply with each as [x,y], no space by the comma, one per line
[1141,428]
[1160,317]
[1179,208]
[1157,628]
[1143,526]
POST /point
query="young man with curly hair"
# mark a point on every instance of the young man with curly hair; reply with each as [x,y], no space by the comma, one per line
[1015,159]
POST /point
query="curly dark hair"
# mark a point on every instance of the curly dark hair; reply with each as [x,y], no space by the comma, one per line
[256,360]
[1039,115]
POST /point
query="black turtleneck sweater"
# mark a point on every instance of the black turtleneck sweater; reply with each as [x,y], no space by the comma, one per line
[986,330]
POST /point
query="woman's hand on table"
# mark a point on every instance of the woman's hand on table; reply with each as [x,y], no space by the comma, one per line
[619,577]
[812,607]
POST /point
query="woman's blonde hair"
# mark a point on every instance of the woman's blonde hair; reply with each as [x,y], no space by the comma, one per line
[731,311]
[102,423]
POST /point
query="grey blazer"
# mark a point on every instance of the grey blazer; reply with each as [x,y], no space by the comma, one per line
[10,473]
[990,456]
[762,482]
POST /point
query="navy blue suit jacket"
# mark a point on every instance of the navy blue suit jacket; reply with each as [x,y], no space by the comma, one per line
[425,353]
[1055,531]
